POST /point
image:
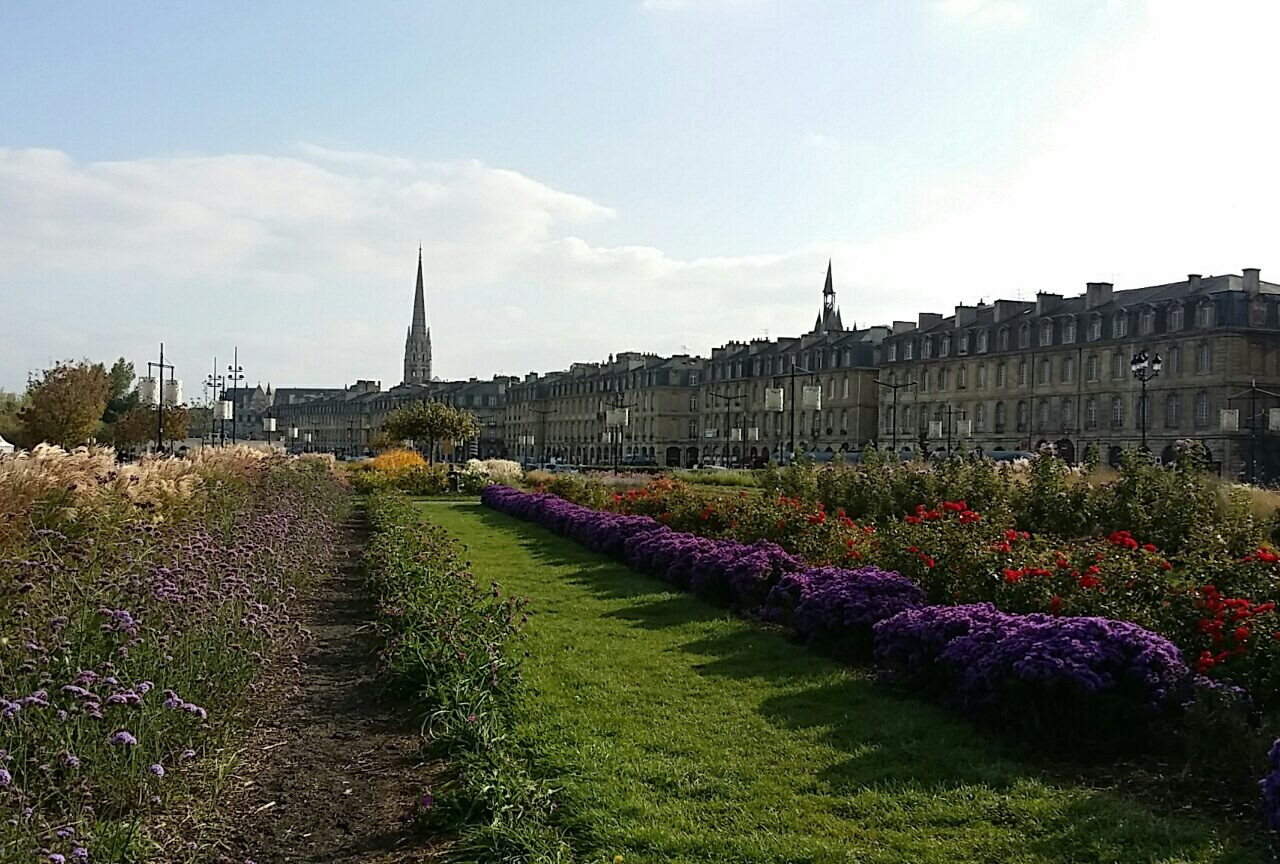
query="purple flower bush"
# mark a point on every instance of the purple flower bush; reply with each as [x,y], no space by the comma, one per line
[1271,789]
[136,628]
[1032,672]
[1046,675]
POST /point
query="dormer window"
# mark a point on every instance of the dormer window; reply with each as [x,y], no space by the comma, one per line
[1147,323]
[982,341]
[908,350]
[1069,331]
[1046,333]
[1024,336]
[946,346]
[1175,317]
[1120,326]
[1002,339]
[1205,315]
[1095,328]
[926,349]
[893,351]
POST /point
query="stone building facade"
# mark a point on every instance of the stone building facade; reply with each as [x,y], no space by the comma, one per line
[566,415]
[1015,375]
[686,411]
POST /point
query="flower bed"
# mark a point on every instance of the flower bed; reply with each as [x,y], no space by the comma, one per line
[140,605]
[1117,667]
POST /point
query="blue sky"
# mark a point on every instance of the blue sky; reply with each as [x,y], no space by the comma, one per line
[594,177]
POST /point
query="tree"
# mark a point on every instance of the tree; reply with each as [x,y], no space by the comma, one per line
[429,423]
[10,426]
[65,403]
[139,426]
[122,398]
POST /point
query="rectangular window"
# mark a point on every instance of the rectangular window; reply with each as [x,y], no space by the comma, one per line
[1069,330]
[1022,373]
[999,375]
[1117,366]
[1204,357]
[1095,329]
[1091,368]
[1120,329]
[960,378]
[1068,369]
[908,350]
[982,376]
[1044,369]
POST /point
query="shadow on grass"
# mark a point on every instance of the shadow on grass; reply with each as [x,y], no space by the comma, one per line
[893,744]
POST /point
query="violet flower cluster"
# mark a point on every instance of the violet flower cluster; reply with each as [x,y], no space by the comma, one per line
[1270,786]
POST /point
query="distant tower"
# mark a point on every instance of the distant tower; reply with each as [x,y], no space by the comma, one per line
[417,343]
[829,319]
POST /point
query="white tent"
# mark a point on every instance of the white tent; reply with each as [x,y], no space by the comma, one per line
[5,446]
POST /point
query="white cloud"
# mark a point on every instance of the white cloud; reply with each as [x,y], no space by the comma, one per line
[307,263]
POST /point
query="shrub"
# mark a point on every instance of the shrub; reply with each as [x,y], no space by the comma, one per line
[1052,678]
[1270,786]
[394,461]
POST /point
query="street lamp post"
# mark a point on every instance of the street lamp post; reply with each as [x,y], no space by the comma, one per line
[1145,368]
[727,400]
[1253,392]
[235,374]
[542,416]
[893,415]
[160,394]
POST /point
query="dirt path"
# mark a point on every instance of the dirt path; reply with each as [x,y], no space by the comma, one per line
[333,774]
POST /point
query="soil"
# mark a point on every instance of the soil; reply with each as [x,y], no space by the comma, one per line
[333,774]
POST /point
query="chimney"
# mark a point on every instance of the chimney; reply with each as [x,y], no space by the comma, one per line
[1046,303]
[1193,282]
[1005,309]
[1252,279]
[903,326]
[966,315]
[1097,294]
[929,319]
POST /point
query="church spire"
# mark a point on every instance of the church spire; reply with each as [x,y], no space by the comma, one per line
[828,289]
[419,325]
[829,318]
[417,342]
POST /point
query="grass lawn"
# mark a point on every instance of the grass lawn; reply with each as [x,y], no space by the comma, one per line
[681,735]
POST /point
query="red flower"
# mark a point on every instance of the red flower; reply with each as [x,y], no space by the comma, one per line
[1148,547]
[1205,663]
[1055,604]
[1241,634]
[1012,576]
[1090,582]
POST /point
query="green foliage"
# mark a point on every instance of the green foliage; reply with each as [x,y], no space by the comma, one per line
[10,426]
[138,426]
[453,646]
[64,404]
[429,423]
[122,397]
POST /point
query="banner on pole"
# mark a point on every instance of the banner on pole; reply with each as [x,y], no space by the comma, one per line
[773,399]
[811,397]
[1229,419]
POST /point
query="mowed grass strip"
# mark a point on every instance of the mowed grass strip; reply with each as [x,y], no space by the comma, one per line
[681,734]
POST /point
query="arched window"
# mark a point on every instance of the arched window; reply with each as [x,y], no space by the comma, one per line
[1000,416]
[1046,332]
[1002,339]
[1120,325]
[844,421]
[1022,416]
[1069,331]
[979,417]
[982,341]
[1095,328]
[1024,336]
[845,388]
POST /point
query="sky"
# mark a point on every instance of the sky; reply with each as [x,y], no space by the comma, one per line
[586,178]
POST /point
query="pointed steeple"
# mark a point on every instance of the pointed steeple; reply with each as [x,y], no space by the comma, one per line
[828,289]
[829,318]
[419,303]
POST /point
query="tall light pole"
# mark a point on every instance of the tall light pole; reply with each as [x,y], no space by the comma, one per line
[1144,368]
[893,416]
[728,400]
[1253,392]
[235,374]
[160,394]
[542,416]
